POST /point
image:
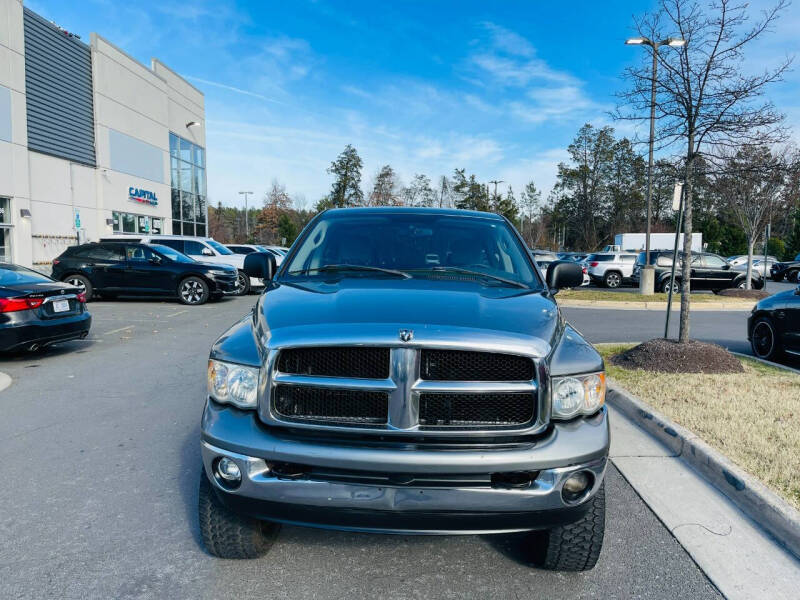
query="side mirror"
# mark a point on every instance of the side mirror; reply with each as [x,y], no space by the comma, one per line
[155,259]
[260,265]
[563,274]
[797,291]
[727,266]
[206,252]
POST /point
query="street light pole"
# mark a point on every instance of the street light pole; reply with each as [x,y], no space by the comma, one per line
[647,274]
[246,217]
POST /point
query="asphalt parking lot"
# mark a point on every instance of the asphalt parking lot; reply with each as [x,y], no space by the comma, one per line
[101,441]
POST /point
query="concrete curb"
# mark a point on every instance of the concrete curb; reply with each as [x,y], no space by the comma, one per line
[659,306]
[5,381]
[769,363]
[753,498]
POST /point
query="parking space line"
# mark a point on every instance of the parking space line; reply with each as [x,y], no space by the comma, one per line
[118,330]
[180,312]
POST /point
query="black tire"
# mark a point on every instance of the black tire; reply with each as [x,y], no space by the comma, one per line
[612,280]
[791,276]
[764,339]
[676,286]
[80,281]
[575,547]
[758,284]
[226,534]
[242,284]
[193,291]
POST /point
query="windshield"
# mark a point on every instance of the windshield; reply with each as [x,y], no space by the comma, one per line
[171,253]
[218,247]
[418,244]
[14,274]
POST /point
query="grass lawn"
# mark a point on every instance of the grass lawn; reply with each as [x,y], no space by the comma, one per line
[752,417]
[578,294]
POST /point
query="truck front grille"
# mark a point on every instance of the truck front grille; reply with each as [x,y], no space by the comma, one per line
[330,406]
[475,409]
[463,365]
[336,361]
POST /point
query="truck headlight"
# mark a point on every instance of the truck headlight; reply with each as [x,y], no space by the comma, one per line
[233,384]
[578,395]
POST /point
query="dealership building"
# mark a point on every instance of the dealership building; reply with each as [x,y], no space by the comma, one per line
[92,142]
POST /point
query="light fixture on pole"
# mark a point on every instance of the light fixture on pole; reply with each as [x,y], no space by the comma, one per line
[647,274]
[191,124]
[246,221]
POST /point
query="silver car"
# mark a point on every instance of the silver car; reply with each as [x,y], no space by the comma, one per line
[610,269]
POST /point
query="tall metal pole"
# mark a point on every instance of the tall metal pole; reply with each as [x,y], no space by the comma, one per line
[650,154]
[246,217]
[674,262]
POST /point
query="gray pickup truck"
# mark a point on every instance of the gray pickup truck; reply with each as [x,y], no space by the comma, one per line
[406,371]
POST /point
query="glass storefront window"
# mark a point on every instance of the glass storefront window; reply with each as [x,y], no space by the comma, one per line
[155,226]
[174,145]
[187,211]
[5,210]
[201,230]
[188,181]
[5,244]
[116,220]
[128,223]
[186,150]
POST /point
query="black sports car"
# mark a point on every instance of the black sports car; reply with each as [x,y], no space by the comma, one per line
[37,311]
[773,328]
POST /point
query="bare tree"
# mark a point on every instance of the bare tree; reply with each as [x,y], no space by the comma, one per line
[750,186]
[385,188]
[706,97]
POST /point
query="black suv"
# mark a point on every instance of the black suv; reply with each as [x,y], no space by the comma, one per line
[111,269]
[787,270]
[709,272]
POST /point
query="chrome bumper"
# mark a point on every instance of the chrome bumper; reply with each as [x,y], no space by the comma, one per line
[570,447]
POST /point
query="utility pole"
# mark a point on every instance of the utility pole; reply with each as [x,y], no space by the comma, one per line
[647,274]
[495,182]
[246,219]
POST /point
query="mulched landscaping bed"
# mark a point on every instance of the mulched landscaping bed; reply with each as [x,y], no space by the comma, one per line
[669,356]
[747,294]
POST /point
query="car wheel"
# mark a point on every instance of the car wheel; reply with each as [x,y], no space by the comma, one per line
[676,286]
[193,290]
[742,285]
[758,284]
[763,340]
[577,546]
[791,277]
[242,284]
[79,281]
[612,280]
[229,535]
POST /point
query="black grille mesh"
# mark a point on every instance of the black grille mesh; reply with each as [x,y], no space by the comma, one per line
[306,403]
[464,365]
[363,363]
[475,410]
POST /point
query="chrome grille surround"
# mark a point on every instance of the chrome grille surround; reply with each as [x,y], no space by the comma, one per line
[404,384]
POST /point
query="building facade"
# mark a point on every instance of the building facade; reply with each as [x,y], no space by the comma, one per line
[92,142]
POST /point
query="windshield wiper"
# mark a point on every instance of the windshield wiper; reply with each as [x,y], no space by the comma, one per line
[441,269]
[345,267]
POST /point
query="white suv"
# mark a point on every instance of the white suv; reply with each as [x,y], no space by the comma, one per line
[610,269]
[202,249]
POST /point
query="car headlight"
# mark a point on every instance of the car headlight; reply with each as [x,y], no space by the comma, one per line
[578,395]
[233,384]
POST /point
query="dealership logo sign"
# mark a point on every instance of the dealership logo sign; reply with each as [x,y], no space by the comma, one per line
[143,196]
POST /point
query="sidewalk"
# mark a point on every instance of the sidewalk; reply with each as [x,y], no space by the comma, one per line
[740,305]
[737,556]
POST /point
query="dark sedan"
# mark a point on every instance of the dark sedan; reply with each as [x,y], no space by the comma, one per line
[709,272]
[110,269]
[787,270]
[773,327]
[36,311]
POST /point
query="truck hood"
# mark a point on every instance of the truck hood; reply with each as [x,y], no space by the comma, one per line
[374,310]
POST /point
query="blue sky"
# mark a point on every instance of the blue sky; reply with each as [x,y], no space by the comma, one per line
[498,88]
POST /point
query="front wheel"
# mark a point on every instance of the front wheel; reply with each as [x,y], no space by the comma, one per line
[193,290]
[577,546]
[242,284]
[229,535]
[763,340]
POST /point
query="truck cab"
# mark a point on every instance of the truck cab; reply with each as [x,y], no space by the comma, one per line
[406,371]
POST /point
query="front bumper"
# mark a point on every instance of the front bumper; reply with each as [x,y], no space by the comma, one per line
[580,445]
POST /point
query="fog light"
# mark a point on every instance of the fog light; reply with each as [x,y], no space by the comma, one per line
[575,485]
[229,470]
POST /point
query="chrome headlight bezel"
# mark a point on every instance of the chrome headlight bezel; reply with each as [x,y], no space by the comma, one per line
[232,383]
[587,395]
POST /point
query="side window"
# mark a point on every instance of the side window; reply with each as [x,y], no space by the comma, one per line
[138,253]
[193,248]
[714,262]
[174,244]
[106,252]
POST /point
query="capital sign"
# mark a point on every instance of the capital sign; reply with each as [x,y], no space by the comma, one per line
[142,196]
